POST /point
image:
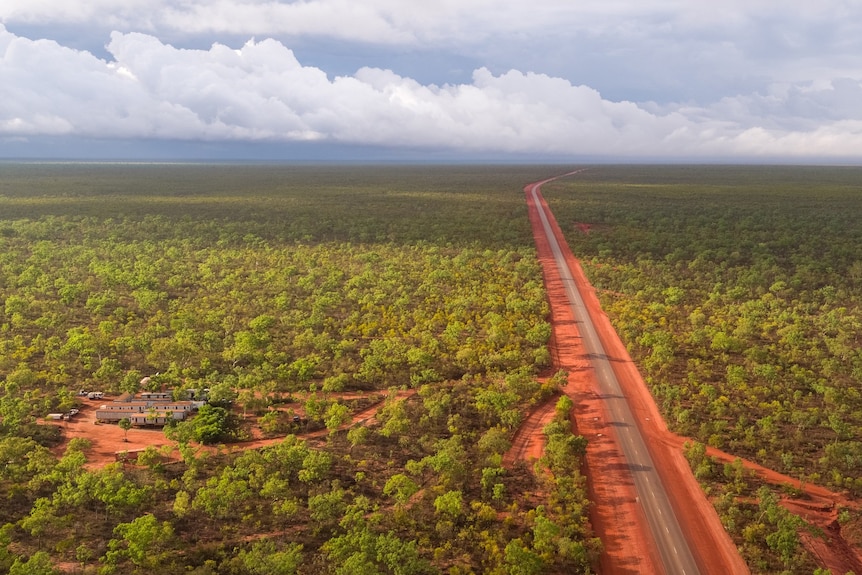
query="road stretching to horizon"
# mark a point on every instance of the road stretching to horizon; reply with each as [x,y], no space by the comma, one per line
[673,547]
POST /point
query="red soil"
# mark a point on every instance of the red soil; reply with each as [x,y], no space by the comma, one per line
[528,443]
[616,517]
[107,440]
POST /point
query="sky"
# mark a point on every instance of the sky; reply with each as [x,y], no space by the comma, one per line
[448,80]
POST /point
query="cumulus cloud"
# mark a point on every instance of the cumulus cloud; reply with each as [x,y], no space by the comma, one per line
[262,92]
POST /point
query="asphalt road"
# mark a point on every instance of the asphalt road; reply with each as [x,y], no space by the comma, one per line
[672,545]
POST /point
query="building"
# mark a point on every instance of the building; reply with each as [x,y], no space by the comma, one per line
[157,419]
[146,411]
[164,395]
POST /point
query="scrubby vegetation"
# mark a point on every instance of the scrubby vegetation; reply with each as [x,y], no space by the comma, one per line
[267,283]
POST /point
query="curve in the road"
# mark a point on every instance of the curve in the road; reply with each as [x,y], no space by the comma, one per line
[673,547]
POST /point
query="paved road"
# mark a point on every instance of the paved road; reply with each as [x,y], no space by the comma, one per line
[672,545]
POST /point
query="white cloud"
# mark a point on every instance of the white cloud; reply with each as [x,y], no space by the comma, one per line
[794,22]
[661,50]
[261,92]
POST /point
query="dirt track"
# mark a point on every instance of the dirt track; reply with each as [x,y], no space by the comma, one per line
[528,443]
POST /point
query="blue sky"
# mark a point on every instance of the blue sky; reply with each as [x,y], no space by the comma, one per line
[445,80]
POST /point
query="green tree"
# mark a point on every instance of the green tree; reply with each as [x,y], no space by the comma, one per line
[495,441]
[222,394]
[520,560]
[450,504]
[336,415]
[361,550]
[784,539]
[269,422]
[38,564]
[142,541]
[6,555]
[224,497]
[84,554]
[264,558]
[125,424]
[326,508]
[210,425]
[182,503]
[315,466]
[42,519]
[401,488]
[358,435]
[108,486]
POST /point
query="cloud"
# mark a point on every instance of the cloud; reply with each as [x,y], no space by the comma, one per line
[660,50]
[639,50]
[375,21]
[799,24]
[261,92]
